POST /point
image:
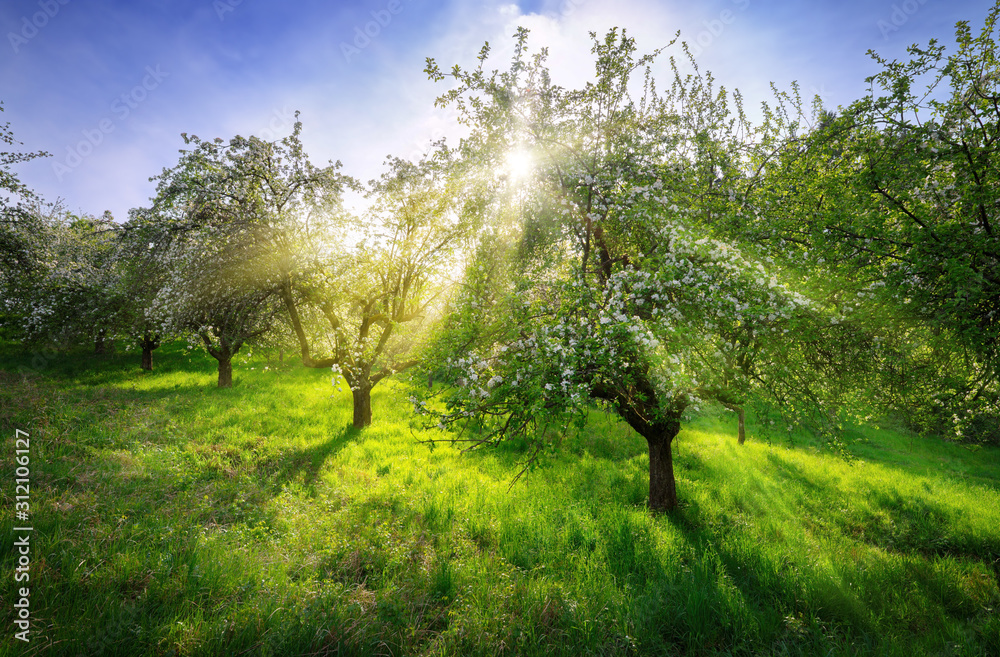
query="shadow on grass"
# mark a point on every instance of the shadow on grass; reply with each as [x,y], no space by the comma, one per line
[792,472]
[759,532]
[81,403]
[304,465]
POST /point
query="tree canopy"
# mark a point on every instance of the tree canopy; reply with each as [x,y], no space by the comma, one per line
[618,293]
[894,198]
[629,245]
[367,298]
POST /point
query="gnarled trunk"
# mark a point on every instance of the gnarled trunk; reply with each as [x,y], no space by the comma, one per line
[662,485]
[225,372]
[639,406]
[359,375]
[224,354]
[149,343]
[362,406]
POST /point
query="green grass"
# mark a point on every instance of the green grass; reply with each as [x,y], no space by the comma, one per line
[173,518]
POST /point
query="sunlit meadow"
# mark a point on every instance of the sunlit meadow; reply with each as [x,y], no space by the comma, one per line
[175,518]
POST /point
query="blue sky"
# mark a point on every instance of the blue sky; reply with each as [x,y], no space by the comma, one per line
[107,87]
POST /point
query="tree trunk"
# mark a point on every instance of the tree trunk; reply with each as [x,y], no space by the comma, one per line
[293,315]
[637,404]
[149,343]
[226,372]
[741,421]
[742,425]
[662,486]
[224,354]
[362,407]
[102,346]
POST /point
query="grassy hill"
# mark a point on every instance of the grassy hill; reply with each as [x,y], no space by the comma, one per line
[173,518]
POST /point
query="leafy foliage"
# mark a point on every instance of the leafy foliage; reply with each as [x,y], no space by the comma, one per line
[74,293]
[224,211]
[18,215]
[617,292]
[368,299]
[895,200]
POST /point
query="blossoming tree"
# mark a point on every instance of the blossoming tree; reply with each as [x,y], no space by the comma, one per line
[366,302]
[18,211]
[74,294]
[228,213]
[895,198]
[599,282]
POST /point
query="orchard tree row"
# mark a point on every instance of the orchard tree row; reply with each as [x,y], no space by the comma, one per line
[632,245]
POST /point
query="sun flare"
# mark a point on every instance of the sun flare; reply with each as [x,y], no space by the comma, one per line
[519,164]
